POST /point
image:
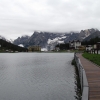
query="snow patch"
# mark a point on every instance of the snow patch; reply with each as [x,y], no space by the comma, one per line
[21,45]
[64,37]
[55,41]
[44,49]
[61,42]
[52,43]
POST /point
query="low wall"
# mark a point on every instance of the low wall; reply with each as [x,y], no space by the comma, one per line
[83,78]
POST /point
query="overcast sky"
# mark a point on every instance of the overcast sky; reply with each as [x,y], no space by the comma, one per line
[21,17]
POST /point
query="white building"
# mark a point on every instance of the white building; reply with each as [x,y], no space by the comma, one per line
[75,44]
[89,47]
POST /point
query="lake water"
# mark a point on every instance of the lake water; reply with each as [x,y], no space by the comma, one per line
[37,76]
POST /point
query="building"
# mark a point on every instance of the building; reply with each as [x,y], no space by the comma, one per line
[81,48]
[75,44]
[89,48]
[34,48]
[98,45]
[95,46]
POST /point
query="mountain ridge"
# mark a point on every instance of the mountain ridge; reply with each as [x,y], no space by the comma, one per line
[41,38]
[45,39]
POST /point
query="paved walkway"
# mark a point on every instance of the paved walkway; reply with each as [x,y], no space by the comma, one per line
[93,77]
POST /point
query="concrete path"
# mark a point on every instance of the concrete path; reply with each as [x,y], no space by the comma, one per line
[93,77]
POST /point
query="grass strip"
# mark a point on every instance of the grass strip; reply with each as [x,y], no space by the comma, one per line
[95,58]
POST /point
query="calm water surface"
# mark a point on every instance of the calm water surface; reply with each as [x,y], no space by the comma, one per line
[37,76]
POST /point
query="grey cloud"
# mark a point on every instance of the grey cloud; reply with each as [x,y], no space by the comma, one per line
[20,17]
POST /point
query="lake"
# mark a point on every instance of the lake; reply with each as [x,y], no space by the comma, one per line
[37,76]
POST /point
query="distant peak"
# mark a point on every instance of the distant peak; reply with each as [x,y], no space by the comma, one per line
[37,32]
[25,36]
[95,29]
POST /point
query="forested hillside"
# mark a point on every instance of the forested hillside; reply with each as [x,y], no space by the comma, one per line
[7,46]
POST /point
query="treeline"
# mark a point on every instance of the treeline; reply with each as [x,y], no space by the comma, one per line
[63,46]
[91,41]
[9,46]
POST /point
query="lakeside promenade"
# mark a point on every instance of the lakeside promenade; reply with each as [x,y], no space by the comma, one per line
[93,77]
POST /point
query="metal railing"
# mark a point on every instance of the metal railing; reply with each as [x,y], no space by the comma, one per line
[83,78]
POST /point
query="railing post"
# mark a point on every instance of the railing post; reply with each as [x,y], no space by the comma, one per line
[83,78]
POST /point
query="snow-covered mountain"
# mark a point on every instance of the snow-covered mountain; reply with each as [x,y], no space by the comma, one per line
[21,41]
[88,32]
[42,38]
[93,33]
[49,40]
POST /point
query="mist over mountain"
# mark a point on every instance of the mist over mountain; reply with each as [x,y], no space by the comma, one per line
[3,38]
[37,38]
[41,38]
[47,38]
